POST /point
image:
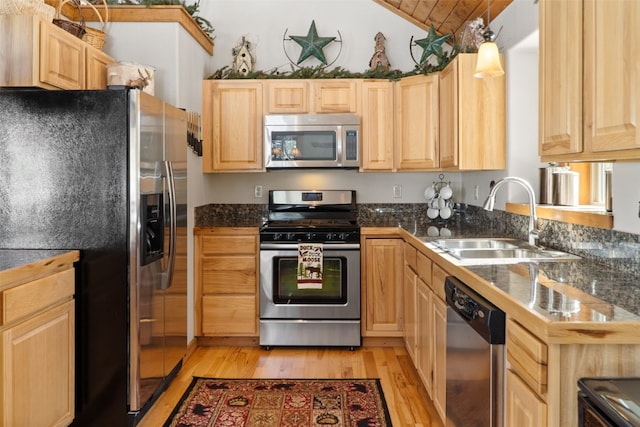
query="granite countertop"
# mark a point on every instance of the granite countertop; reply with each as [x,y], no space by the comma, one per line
[560,293]
[20,264]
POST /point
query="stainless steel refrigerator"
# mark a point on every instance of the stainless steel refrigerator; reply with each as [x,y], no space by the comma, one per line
[105,172]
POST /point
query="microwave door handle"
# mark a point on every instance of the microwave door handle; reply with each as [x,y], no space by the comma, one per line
[168,274]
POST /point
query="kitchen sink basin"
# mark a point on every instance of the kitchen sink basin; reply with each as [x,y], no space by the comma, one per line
[478,243]
[498,251]
[517,253]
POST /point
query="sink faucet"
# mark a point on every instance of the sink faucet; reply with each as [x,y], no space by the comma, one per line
[533,220]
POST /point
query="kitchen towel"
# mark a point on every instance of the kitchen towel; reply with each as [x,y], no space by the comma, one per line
[309,266]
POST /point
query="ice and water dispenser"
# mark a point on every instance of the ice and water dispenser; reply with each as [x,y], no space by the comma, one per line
[152,226]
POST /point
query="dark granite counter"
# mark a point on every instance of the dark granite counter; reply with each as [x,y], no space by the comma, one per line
[571,290]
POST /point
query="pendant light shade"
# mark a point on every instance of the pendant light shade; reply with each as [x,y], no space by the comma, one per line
[489,64]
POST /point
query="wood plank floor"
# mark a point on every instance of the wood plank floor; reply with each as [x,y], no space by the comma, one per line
[409,404]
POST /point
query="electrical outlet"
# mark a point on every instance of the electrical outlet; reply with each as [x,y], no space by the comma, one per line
[257,191]
[397,191]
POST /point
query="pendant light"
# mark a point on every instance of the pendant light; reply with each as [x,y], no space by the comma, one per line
[488,64]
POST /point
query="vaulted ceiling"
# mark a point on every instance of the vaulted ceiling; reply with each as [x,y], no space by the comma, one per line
[446,15]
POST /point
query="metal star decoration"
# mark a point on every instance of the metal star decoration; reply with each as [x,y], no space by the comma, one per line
[312,44]
[432,44]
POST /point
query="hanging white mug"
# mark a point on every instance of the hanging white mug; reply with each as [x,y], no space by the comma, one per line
[445,213]
[429,193]
[446,192]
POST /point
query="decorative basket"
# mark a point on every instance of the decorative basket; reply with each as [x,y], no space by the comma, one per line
[94,36]
[27,7]
[77,29]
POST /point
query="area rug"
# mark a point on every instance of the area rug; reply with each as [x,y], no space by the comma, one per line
[214,402]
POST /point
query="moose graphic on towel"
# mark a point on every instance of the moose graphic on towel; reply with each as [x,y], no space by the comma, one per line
[309,266]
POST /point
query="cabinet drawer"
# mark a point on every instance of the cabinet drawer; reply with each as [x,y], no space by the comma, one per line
[31,297]
[410,256]
[229,275]
[437,281]
[527,356]
[424,267]
[229,315]
[229,245]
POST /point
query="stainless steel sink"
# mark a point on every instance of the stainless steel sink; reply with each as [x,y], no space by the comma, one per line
[517,253]
[498,251]
[478,243]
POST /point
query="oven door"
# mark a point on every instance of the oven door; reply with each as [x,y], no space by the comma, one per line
[338,298]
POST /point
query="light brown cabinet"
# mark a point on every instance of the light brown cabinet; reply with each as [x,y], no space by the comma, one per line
[377,125]
[416,122]
[472,118]
[382,277]
[37,326]
[232,113]
[40,54]
[589,80]
[226,282]
[312,96]
[409,312]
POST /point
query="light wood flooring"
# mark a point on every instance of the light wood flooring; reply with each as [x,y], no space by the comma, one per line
[407,399]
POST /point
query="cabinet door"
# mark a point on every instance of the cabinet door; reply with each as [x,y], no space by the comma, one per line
[440,356]
[287,97]
[409,312]
[383,263]
[417,123]
[611,75]
[448,87]
[335,96]
[560,77]
[97,62]
[62,58]
[425,335]
[232,126]
[523,407]
[377,126]
[38,369]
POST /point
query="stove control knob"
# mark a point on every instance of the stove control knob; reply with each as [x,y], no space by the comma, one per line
[277,236]
[343,236]
[311,236]
[291,236]
[330,236]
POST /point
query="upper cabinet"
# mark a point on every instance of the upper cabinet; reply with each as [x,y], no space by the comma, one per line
[39,54]
[472,118]
[299,96]
[232,112]
[416,118]
[447,120]
[377,126]
[589,80]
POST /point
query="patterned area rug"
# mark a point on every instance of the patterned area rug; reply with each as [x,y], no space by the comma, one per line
[214,402]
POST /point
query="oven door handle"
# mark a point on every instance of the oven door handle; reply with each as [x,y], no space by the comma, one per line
[325,246]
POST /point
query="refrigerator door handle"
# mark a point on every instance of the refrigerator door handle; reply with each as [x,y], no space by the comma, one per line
[168,274]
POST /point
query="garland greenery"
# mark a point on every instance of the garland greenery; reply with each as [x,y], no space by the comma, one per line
[320,72]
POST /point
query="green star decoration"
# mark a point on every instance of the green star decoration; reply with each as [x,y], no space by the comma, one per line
[432,44]
[312,44]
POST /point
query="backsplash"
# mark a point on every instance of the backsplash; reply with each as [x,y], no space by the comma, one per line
[613,249]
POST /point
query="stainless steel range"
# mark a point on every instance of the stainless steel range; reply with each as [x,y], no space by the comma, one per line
[310,300]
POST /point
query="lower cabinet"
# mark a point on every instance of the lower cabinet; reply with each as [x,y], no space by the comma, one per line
[410,326]
[226,282]
[382,276]
[524,408]
[37,357]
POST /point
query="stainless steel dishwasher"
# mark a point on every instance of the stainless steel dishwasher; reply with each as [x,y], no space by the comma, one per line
[474,358]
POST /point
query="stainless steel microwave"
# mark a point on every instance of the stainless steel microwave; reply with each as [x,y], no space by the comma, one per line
[311,141]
